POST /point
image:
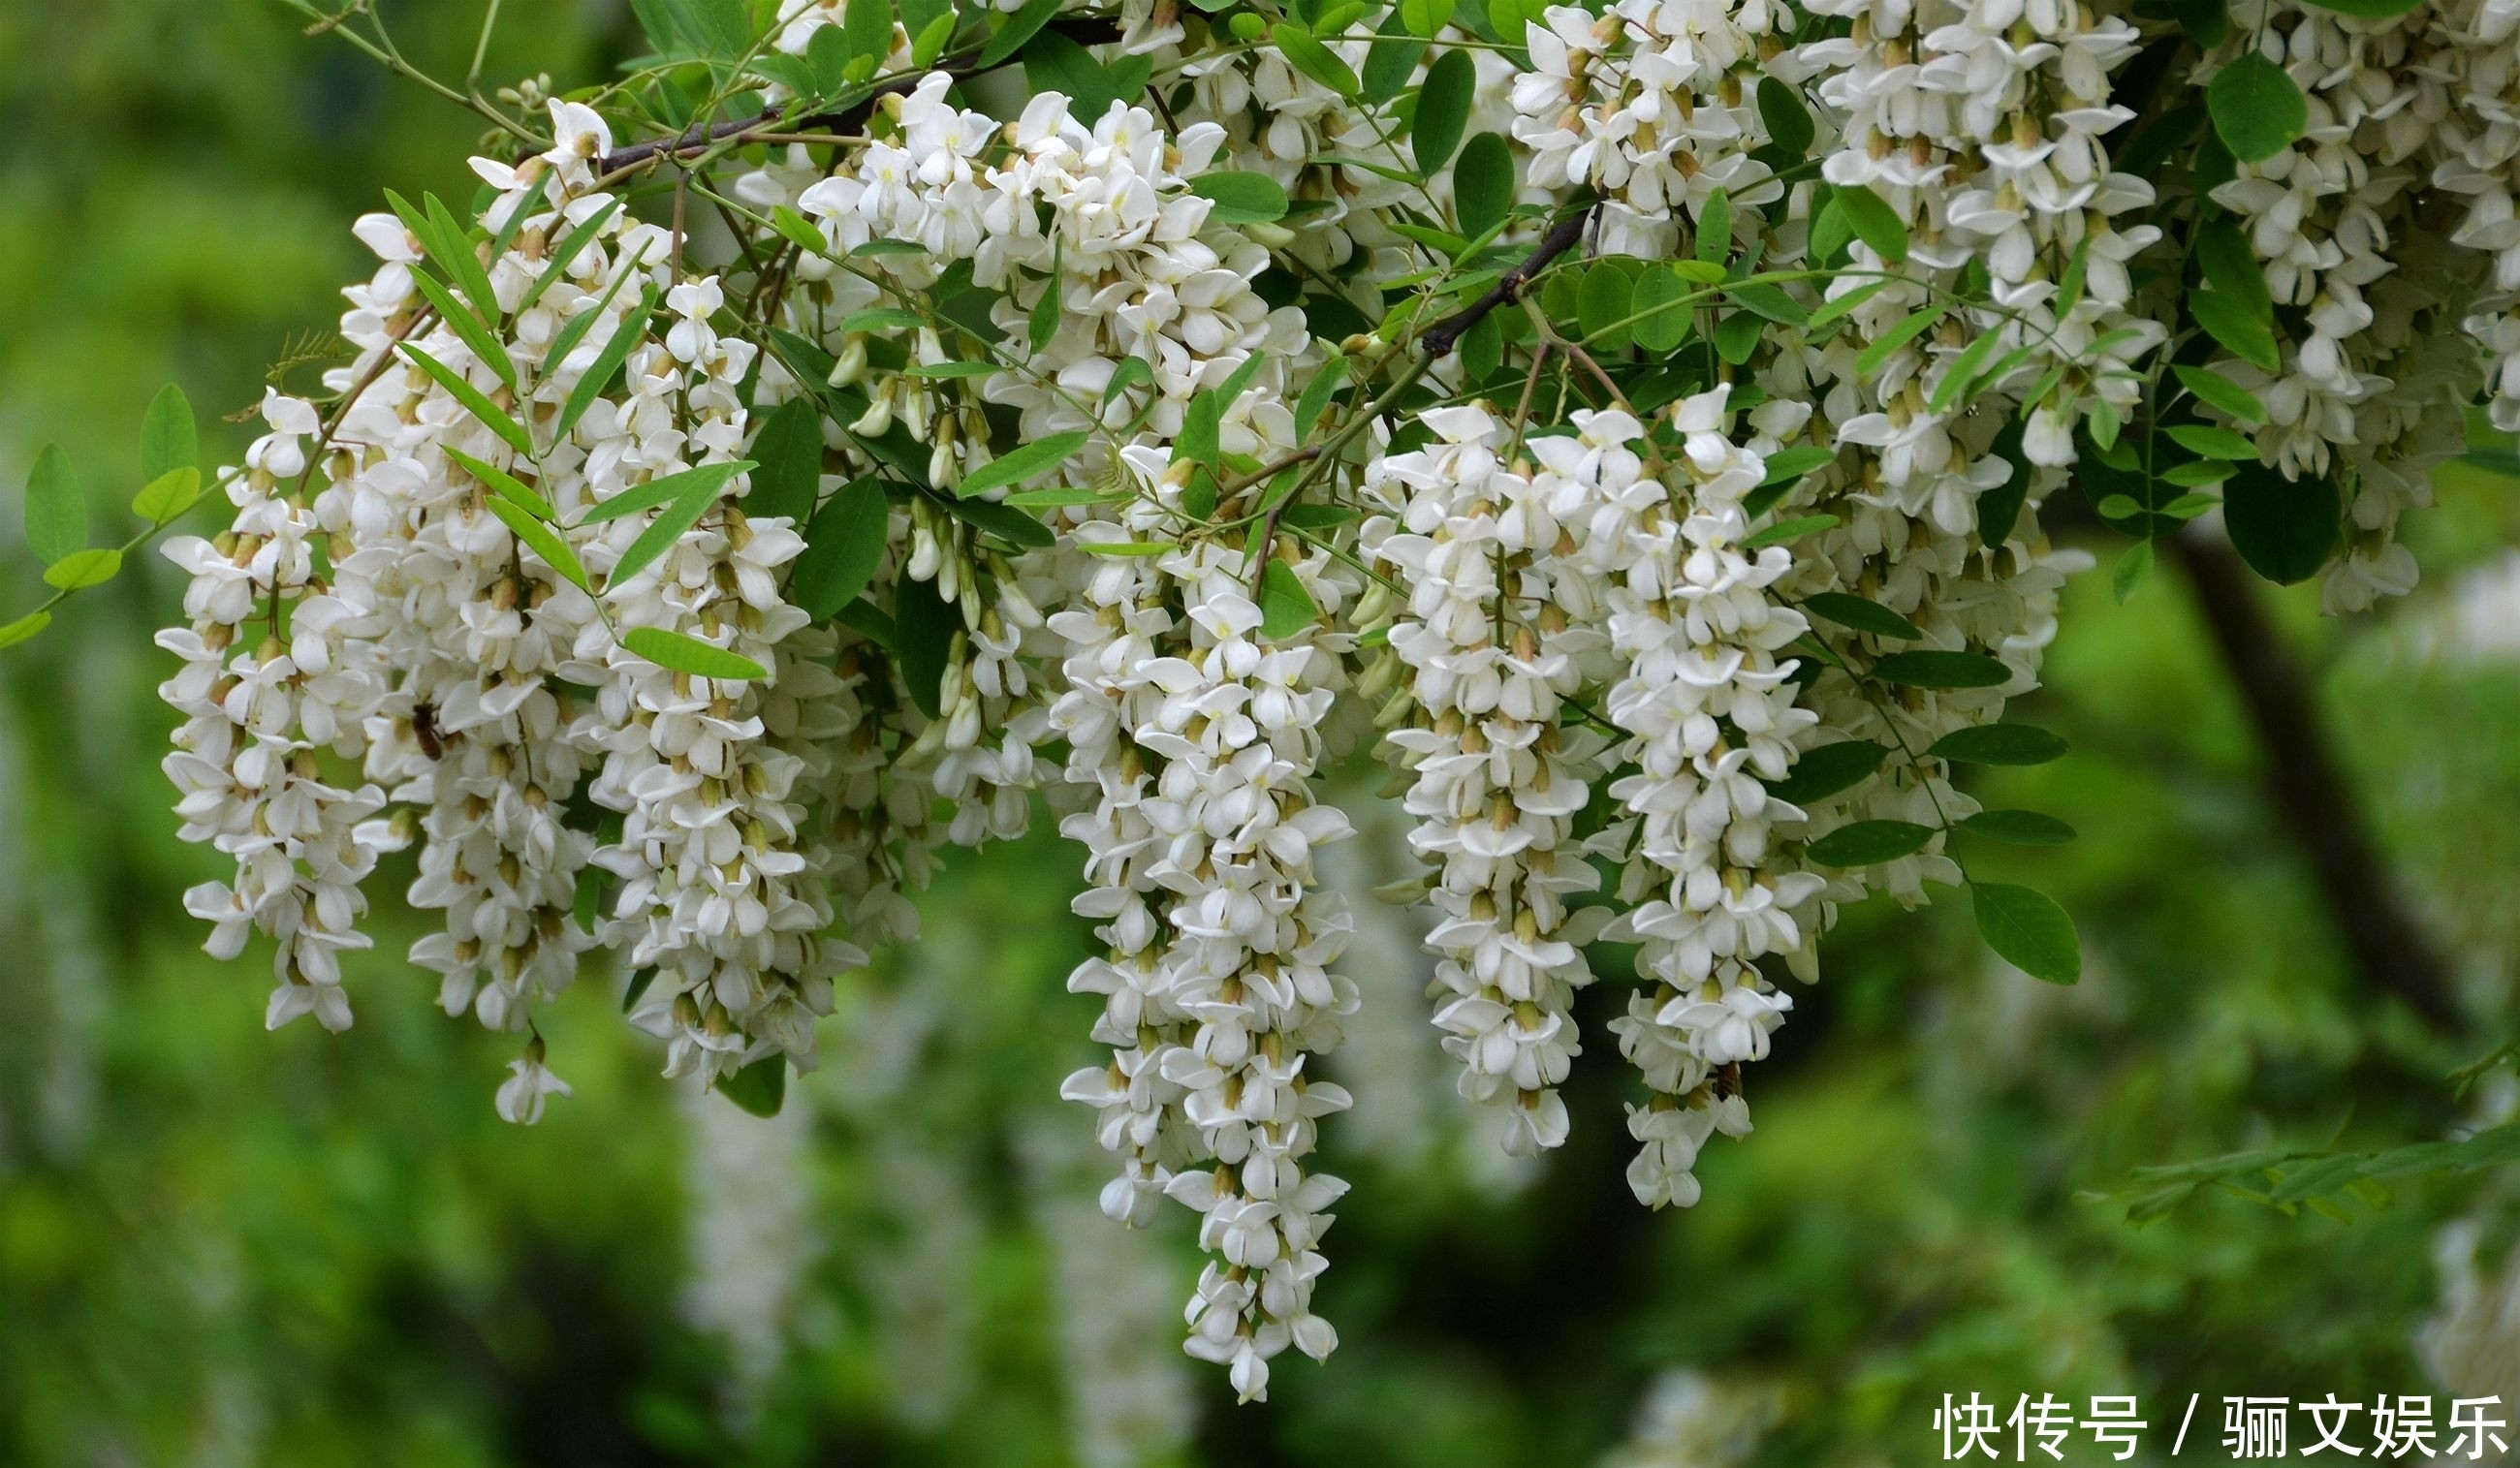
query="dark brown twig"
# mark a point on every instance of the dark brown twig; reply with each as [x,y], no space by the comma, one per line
[1440,339]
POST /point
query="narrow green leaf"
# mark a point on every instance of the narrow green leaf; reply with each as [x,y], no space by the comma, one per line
[543,539]
[565,253]
[1999,510]
[475,401]
[708,479]
[1865,843]
[476,336]
[456,257]
[81,569]
[1829,770]
[678,516]
[1839,305]
[1942,670]
[1788,119]
[1999,744]
[1443,111]
[583,322]
[1426,18]
[1241,197]
[617,350]
[167,439]
[1862,616]
[1874,222]
[2020,828]
[2027,930]
[1964,371]
[1484,183]
[1016,29]
[505,484]
[689,654]
[2131,570]
[2228,263]
[1305,52]
[55,507]
[14,633]
[1788,530]
[2213,443]
[2219,391]
[789,453]
[1917,323]
[1039,457]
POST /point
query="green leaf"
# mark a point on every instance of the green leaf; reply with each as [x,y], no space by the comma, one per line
[1874,222]
[1788,530]
[1917,323]
[2020,828]
[504,483]
[1443,111]
[14,633]
[1737,337]
[1788,119]
[1868,842]
[55,507]
[1840,305]
[1484,183]
[2213,443]
[1999,510]
[1715,227]
[2257,109]
[476,336]
[1999,744]
[844,546]
[1942,670]
[1821,772]
[790,452]
[1602,303]
[1285,606]
[1862,616]
[1131,372]
[544,541]
[1039,457]
[1017,28]
[708,478]
[2188,506]
[1242,198]
[689,654]
[167,440]
[929,43]
[680,514]
[2219,391]
[924,626]
[2190,475]
[1426,18]
[2117,507]
[1014,527]
[617,350]
[2232,324]
[475,401]
[80,569]
[167,496]
[722,28]
[2027,930]
[2131,570]
[1964,371]
[1661,324]
[583,322]
[574,244]
[2284,529]
[2228,263]
[869,25]
[1389,61]
[455,254]
[1043,325]
[1830,234]
[1791,465]
[1306,53]
[1054,63]
[760,1087]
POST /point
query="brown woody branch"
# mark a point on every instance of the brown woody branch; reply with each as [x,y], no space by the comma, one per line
[1440,339]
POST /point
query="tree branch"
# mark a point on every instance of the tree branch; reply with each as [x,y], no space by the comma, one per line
[1440,339]
[2310,792]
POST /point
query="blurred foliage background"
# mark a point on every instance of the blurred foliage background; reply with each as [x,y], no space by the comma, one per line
[219,1246]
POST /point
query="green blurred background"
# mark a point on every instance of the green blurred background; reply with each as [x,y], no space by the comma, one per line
[219,1246]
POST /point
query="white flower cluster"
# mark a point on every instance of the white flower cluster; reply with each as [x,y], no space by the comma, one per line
[1704,698]
[1493,643]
